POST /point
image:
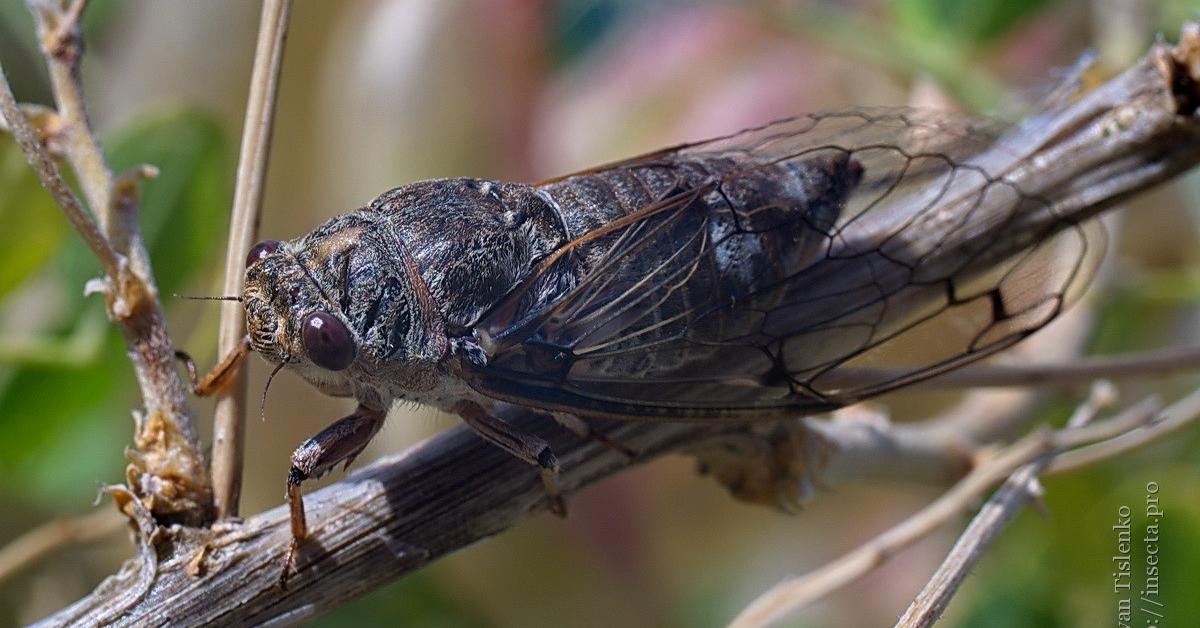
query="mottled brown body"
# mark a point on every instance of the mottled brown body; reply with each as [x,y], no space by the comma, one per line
[757,275]
[722,245]
[474,243]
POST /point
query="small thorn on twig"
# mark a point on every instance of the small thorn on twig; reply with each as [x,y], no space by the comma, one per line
[97,285]
[1039,506]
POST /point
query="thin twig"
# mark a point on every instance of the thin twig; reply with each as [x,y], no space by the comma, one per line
[1152,363]
[62,45]
[1174,418]
[112,262]
[1009,499]
[46,123]
[928,606]
[230,415]
[795,593]
[33,546]
[1021,487]
[167,468]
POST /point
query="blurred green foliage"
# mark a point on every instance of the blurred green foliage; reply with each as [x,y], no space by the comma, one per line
[25,208]
[974,23]
[50,410]
[68,388]
[417,601]
[580,25]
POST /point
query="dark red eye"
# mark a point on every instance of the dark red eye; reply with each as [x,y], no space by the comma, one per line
[327,341]
[261,250]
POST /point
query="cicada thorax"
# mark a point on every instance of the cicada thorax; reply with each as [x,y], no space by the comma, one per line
[471,241]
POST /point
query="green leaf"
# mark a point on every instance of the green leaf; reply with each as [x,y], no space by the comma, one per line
[61,426]
[34,227]
[975,22]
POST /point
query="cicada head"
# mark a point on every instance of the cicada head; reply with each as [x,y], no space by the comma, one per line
[337,307]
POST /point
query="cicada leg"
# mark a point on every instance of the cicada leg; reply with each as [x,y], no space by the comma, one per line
[582,429]
[519,443]
[573,423]
[221,374]
[341,441]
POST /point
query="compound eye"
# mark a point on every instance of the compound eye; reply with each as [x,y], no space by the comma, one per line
[327,342]
[261,250]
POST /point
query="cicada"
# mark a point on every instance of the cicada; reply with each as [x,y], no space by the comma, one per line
[787,269]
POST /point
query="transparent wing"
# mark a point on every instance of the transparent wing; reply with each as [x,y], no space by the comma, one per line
[799,266]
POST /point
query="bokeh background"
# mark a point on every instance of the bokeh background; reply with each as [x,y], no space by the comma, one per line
[376,93]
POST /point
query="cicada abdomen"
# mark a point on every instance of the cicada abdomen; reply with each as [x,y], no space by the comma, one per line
[779,269]
[693,247]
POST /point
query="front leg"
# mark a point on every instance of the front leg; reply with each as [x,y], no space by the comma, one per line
[343,440]
[222,374]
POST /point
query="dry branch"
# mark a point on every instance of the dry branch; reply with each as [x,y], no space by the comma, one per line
[407,510]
